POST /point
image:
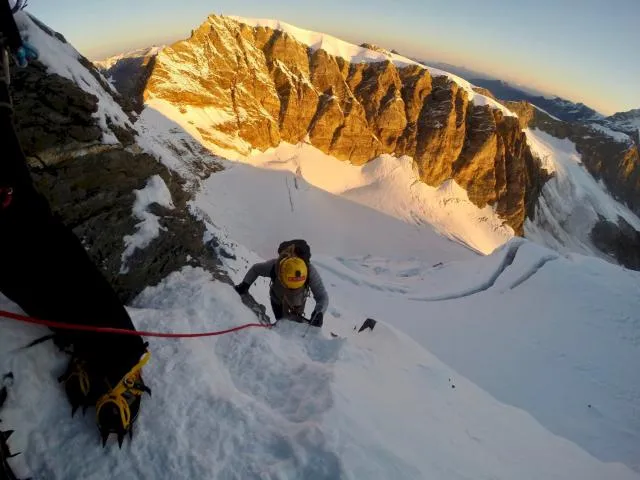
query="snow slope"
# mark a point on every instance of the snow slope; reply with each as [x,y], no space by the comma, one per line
[387,184]
[627,122]
[572,201]
[290,404]
[555,336]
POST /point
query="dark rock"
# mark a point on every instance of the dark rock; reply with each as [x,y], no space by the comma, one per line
[97,190]
[91,186]
[130,75]
[369,323]
[620,240]
[52,114]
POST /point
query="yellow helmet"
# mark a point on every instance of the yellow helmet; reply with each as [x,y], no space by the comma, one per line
[293,272]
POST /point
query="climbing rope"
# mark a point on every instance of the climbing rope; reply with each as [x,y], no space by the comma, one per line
[122,331]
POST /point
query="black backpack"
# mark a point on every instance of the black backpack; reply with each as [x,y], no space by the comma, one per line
[300,249]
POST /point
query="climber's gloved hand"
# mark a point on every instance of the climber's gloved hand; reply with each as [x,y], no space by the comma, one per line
[242,288]
[25,54]
[317,319]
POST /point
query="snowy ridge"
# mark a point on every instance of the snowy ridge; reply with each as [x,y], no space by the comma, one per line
[62,59]
[107,63]
[377,405]
[572,201]
[546,113]
[356,54]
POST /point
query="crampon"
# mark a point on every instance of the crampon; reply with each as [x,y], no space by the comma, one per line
[77,385]
[117,410]
[5,453]
[5,470]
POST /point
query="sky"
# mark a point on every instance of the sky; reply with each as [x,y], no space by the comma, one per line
[583,50]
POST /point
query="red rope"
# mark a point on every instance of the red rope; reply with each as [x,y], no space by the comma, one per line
[122,331]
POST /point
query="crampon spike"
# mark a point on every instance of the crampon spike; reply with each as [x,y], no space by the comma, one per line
[105,437]
[120,439]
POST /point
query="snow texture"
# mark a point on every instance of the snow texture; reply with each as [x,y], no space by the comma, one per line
[148,227]
[572,201]
[555,336]
[376,405]
[62,59]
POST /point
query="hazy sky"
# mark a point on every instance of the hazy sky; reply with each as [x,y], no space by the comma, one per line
[584,50]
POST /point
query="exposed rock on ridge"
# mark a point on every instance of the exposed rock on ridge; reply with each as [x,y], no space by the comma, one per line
[617,164]
[91,185]
[266,87]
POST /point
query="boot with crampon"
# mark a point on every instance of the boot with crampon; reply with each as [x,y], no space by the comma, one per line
[117,410]
[117,399]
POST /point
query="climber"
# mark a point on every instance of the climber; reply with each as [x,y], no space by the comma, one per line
[47,272]
[292,277]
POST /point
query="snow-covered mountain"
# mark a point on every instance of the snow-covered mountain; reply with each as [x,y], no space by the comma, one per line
[243,86]
[627,122]
[517,364]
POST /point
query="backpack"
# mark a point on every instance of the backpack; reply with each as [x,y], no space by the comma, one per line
[300,249]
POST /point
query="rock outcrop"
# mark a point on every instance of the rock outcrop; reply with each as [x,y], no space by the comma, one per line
[616,163]
[619,240]
[91,185]
[267,87]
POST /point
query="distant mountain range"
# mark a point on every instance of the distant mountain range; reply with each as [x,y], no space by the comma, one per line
[559,107]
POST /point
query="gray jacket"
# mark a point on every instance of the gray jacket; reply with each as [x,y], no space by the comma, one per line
[278,291]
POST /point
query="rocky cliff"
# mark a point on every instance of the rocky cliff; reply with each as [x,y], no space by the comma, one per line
[616,163]
[268,87]
[90,184]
